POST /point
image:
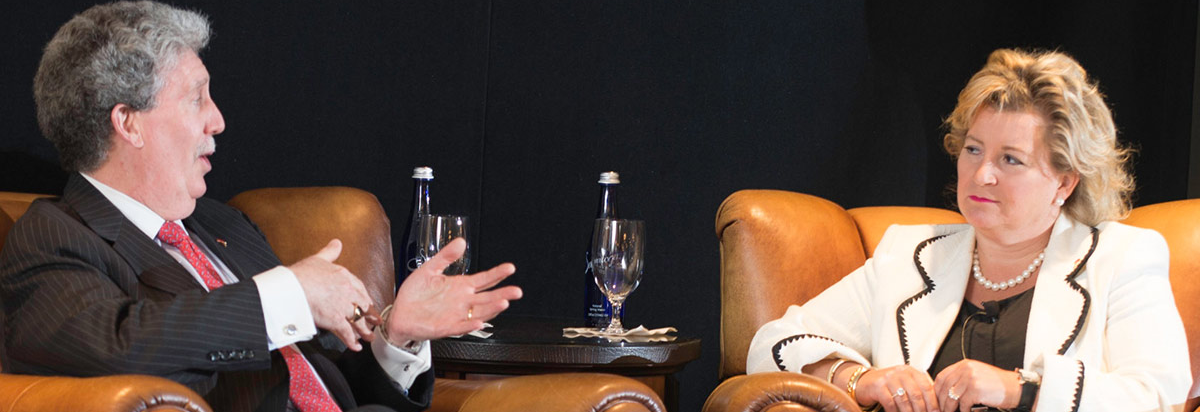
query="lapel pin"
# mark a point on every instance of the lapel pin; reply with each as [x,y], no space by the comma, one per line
[222,242]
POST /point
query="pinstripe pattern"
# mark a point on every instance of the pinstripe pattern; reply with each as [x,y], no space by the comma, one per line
[85,293]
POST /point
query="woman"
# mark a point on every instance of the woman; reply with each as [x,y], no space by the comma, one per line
[1040,301]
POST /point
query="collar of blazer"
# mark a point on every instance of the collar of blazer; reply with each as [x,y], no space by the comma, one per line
[152,265]
[1059,308]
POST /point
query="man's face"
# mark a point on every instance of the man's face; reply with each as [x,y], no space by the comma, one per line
[178,134]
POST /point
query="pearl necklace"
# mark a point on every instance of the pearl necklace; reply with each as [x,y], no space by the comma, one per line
[1009,283]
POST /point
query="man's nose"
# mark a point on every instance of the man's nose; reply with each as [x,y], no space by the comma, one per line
[216,122]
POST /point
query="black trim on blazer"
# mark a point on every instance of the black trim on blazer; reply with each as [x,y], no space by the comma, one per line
[1087,298]
[785,341]
[929,286]
[1078,389]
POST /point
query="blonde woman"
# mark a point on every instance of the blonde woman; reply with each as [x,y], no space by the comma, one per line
[1041,301]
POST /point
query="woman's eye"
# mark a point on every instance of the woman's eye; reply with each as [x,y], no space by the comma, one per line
[970,150]
[1012,160]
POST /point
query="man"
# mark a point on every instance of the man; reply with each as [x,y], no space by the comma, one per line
[124,273]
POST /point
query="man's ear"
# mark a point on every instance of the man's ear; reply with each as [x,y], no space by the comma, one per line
[126,126]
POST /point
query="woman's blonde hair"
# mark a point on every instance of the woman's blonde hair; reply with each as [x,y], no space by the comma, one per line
[1081,136]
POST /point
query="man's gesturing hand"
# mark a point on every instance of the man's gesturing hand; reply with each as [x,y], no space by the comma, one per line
[430,305]
[332,293]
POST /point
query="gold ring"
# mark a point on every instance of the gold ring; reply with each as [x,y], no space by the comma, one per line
[358,314]
[470,312]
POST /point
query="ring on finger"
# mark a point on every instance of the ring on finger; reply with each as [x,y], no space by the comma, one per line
[470,312]
[953,395]
[358,314]
[899,392]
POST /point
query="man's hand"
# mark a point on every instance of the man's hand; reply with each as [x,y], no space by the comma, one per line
[430,305]
[332,293]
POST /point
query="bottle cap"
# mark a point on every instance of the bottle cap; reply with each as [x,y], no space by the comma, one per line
[610,178]
[423,172]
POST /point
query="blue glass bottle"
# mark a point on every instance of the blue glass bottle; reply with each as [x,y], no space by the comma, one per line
[596,307]
[409,261]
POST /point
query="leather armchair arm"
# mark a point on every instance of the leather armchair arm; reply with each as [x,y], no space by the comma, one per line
[564,392]
[778,392]
[120,393]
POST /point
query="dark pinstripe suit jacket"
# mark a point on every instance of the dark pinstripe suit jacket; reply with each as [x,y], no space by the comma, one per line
[86,293]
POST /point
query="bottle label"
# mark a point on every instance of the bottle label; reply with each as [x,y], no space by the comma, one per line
[414,263]
[598,310]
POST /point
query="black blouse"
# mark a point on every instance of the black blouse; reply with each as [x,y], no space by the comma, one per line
[994,334]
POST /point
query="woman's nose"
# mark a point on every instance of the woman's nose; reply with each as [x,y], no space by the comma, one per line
[985,174]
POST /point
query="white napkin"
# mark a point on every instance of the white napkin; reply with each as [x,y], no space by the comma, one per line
[638,334]
[479,333]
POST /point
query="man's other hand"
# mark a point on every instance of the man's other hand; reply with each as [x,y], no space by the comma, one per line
[430,305]
[332,293]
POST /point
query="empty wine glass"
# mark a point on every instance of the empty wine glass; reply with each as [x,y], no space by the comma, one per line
[435,231]
[617,248]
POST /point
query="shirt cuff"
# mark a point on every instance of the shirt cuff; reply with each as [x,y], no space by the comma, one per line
[285,308]
[403,367]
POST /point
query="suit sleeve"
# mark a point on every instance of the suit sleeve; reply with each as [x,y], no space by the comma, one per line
[75,307]
[372,385]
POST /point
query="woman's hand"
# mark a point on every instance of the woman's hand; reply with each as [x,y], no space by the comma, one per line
[898,389]
[970,382]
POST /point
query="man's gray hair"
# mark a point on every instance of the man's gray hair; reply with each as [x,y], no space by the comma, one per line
[110,54]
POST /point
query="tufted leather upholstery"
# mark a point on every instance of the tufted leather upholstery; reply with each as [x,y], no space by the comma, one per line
[108,393]
[780,248]
[299,221]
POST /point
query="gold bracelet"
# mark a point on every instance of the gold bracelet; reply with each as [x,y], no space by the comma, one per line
[833,370]
[852,384]
[411,346]
[383,320]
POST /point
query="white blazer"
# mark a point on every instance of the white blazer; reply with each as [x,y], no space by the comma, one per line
[1103,329]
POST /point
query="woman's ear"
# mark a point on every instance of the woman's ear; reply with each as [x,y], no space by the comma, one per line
[1066,185]
[125,125]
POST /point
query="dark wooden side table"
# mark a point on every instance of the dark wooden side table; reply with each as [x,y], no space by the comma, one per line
[522,345]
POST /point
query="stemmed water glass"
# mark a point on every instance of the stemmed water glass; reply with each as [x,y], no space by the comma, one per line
[435,231]
[617,252]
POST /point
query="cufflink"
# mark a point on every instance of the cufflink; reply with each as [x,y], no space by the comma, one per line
[290,330]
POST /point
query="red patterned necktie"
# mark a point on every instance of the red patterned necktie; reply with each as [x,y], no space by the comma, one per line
[304,389]
[173,235]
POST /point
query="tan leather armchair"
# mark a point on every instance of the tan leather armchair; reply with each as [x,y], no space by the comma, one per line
[780,248]
[108,393]
[299,221]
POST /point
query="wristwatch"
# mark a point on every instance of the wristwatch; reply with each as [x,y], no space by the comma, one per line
[412,346]
[1030,382]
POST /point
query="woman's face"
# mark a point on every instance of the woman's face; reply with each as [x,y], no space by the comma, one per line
[1006,185]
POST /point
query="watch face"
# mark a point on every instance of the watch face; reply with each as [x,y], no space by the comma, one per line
[412,347]
[1029,376]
